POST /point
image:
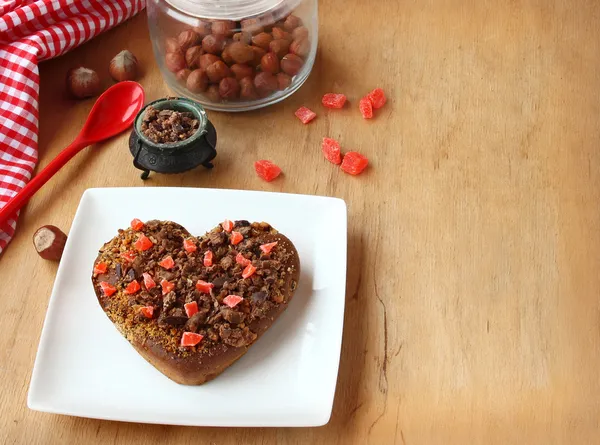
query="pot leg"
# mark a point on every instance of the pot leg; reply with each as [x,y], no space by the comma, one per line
[145,174]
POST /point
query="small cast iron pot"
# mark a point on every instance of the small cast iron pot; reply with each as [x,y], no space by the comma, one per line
[178,157]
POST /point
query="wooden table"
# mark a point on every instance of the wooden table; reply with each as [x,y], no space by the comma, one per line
[473,310]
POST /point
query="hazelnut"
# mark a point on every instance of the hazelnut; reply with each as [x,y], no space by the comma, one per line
[258,54]
[240,52]
[283,81]
[223,27]
[124,66]
[270,63]
[300,33]
[262,40]
[217,71]
[188,38]
[226,56]
[280,47]
[202,28]
[265,83]
[244,37]
[192,56]
[213,44]
[279,33]
[240,71]
[229,88]
[197,81]
[247,90]
[83,82]
[253,26]
[291,64]
[292,22]
[172,45]
[182,75]
[206,60]
[300,47]
[175,61]
[49,242]
[212,93]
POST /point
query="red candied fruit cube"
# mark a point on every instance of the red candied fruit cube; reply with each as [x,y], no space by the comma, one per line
[107,288]
[305,114]
[128,256]
[100,268]
[266,248]
[366,108]
[232,300]
[377,98]
[190,308]
[331,151]
[143,242]
[227,225]
[248,271]
[267,170]
[190,339]
[132,287]
[208,258]
[333,100]
[236,237]
[136,224]
[242,260]
[189,246]
[167,286]
[147,311]
[167,262]
[148,281]
[204,287]
[354,163]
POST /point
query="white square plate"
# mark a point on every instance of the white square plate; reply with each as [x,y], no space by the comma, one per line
[84,367]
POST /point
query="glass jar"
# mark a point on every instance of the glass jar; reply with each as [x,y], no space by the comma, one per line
[234,55]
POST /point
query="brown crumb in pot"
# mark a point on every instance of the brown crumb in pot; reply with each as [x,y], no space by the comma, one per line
[168,126]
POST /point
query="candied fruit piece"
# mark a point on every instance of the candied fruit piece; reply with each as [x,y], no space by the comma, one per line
[354,163]
[333,100]
[267,170]
[232,300]
[190,339]
[377,98]
[331,151]
[366,108]
[305,114]
[136,224]
[143,242]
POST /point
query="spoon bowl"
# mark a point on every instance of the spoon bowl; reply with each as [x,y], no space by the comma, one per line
[113,112]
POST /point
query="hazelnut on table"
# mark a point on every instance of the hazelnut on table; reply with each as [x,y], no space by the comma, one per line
[124,66]
[83,82]
[49,242]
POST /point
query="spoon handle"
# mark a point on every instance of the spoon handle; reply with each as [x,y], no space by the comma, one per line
[18,200]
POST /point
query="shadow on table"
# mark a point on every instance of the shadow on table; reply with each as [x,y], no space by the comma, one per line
[350,375]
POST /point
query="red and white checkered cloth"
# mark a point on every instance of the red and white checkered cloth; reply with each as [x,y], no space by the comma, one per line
[32,31]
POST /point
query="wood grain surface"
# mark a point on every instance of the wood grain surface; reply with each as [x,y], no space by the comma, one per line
[473,312]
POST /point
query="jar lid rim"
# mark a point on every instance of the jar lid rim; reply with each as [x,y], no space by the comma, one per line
[230,9]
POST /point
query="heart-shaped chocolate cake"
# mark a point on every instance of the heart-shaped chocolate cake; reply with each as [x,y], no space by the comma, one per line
[191,306]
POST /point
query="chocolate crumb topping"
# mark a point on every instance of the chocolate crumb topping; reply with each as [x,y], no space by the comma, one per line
[177,286]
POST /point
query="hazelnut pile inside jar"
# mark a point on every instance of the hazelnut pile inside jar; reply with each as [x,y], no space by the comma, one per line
[238,61]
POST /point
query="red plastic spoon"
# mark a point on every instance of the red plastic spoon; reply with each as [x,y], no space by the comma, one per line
[113,112]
